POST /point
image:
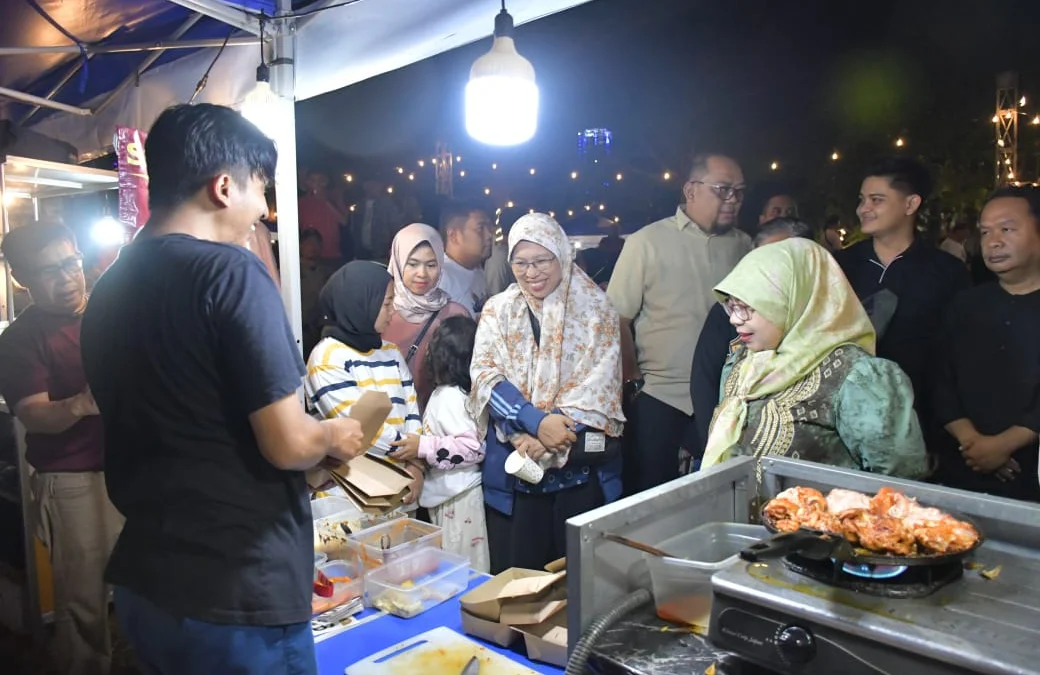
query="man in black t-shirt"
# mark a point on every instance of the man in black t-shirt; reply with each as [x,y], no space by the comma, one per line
[189,355]
[904,283]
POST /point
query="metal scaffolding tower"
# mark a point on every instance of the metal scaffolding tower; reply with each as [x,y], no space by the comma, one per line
[1005,124]
[445,170]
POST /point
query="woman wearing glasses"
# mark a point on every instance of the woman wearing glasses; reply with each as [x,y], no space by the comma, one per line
[802,379]
[546,376]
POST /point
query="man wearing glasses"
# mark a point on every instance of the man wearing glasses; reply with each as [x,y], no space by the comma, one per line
[42,379]
[661,287]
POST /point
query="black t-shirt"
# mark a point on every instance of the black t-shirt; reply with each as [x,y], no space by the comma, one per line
[923,279]
[182,339]
[990,375]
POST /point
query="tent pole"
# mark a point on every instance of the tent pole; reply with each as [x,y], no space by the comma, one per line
[69,74]
[225,13]
[283,82]
[137,47]
[46,103]
[146,63]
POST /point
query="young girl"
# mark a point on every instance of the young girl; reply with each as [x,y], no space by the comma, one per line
[449,444]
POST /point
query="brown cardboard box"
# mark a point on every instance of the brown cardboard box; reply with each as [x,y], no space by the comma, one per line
[513,585]
[547,641]
[492,631]
[371,410]
[374,484]
[534,610]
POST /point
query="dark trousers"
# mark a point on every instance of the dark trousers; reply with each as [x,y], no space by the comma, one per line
[168,645]
[654,433]
[535,535]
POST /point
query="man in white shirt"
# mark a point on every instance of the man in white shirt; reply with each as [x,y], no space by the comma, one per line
[467,232]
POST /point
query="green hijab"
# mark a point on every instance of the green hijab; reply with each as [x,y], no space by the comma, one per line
[799,287]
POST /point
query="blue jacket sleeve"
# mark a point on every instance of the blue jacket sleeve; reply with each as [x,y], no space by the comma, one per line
[513,413]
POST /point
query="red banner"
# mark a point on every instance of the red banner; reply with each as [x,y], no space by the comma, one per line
[133,177]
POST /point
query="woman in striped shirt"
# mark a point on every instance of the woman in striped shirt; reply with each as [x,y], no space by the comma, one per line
[351,358]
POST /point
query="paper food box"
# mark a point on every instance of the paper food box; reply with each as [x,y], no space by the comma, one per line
[547,641]
[370,411]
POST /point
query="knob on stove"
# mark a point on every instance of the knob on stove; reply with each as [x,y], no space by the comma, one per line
[796,645]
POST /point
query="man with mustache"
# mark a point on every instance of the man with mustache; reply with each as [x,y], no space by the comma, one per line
[662,288]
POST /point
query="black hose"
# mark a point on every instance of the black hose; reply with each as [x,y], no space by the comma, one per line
[582,650]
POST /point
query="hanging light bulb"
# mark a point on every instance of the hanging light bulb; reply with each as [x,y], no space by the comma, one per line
[502,96]
[260,105]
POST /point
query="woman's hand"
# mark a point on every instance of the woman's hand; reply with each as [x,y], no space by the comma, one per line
[529,446]
[556,432]
[415,487]
[406,449]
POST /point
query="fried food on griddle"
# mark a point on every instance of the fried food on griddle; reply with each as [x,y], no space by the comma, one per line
[799,507]
[839,501]
[876,532]
[888,522]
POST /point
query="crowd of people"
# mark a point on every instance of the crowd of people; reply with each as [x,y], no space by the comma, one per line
[522,391]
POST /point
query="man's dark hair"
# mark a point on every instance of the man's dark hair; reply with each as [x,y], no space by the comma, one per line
[904,174]
[22,244]
[450,352]
[311,233]
[1027,192]
[699,162]
[833,220]
[454,214]
[790,226]
[189,145]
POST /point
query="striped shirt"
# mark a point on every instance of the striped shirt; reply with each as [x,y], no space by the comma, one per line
[338,375]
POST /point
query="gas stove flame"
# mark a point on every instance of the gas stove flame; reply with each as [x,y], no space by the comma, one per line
[866,571]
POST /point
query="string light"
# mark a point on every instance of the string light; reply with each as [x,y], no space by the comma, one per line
[411,176]
[618,177]
[462,174]
[570,213]
[353,207]
[774,166]
[1000,142]
[530,210]
[835,156]
[552,214]
[995,119]
[487,191]
[458,158]
[390,189]
[400,169]
[588,207]
[433,160]
[349,178]
[1011,174]
[509,205]
[574,175]
[1022,102]
[616,219]
[422,163]
[1036,120]
[602,207]
[900,142]
[494,167]
[532,171]
[667,175]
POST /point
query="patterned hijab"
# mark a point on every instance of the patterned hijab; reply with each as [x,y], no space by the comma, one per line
[799,287]
[416,308]
[576,366]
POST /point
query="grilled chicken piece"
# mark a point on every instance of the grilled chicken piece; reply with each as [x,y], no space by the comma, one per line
[805,497]
[801,507]
[839,501]
[880,533]
[889,502]
[940,532]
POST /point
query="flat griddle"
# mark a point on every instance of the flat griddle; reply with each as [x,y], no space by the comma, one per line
[818,545]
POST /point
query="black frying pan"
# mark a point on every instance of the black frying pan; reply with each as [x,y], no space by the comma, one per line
[817,545]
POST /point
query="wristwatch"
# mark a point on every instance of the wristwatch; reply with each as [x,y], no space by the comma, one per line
[633,387]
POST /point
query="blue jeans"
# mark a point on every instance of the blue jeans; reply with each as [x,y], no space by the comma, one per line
[167,645]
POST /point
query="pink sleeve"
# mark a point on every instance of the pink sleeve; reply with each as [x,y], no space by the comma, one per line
[451,452]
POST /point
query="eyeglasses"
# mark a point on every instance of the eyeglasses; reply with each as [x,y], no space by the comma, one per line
[539,265]
[724,192]
[68,266]
[738,309]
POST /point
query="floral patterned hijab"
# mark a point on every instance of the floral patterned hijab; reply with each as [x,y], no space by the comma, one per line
[799,287]
[576,366]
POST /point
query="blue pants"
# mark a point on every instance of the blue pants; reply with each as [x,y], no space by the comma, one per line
[167,645]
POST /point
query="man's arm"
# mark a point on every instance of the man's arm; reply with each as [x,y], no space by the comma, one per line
[292,440]
[629,360]
[40,415]
[625,292]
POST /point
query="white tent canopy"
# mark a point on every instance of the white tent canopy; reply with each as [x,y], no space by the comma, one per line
[330,49]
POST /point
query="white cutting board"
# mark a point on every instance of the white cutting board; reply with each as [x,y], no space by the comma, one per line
[440,651]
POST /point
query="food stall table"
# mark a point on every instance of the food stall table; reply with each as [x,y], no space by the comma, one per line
[373,635]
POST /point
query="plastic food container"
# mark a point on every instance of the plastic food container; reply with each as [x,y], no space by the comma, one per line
[682,585]
[330,514]
[389,541]
[414,583]
[320,559]
[338,571]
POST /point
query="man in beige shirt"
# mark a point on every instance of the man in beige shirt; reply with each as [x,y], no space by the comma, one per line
[662,288]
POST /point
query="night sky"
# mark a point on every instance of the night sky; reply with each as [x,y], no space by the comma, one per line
[790,82]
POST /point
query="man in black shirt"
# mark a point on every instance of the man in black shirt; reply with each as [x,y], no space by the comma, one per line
[894,267]
[192,362]
[988,394]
